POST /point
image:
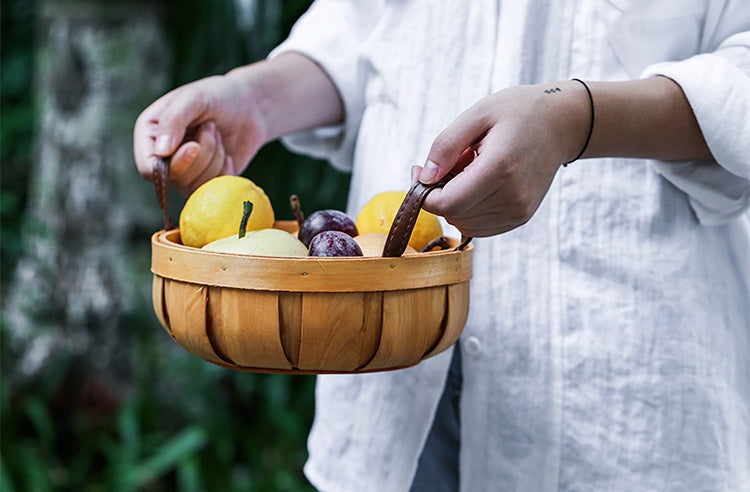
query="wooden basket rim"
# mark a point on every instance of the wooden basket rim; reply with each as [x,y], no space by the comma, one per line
[170,259]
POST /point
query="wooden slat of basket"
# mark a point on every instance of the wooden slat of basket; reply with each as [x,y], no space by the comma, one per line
[186,312]
[157,295]
[372,325]
[245,327]
[409,333]
[290,319]
[458,310]
[333,334]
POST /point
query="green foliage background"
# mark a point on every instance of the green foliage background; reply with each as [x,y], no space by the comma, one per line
[178,423]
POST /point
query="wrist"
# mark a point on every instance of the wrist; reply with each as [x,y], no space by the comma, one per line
[645,118]
[592,121]
[289,93]
[572,119]
[252,98]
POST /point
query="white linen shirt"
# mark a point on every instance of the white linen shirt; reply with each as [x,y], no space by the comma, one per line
[608,340]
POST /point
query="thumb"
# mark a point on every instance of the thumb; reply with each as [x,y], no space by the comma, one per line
[453,147]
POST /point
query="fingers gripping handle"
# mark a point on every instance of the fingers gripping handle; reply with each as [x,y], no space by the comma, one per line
[161,179]
[406,218]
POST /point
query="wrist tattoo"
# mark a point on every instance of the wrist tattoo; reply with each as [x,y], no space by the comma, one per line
[553,90]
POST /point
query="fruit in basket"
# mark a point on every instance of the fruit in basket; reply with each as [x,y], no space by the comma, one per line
[372,244]
[266,242]
[378,214]
[437,244]
[326,220]
[319,221]
[334,243]
[210,213]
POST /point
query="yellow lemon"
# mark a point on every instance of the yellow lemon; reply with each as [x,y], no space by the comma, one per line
[214,210]
[372,244]
[377,216]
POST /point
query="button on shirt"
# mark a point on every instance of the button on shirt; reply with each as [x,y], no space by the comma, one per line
[472,346]
[608,340]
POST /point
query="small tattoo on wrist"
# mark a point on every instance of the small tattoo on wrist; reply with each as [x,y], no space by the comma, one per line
[553,90]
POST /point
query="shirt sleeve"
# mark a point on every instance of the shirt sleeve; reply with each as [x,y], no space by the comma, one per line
[331,33]
[717,86]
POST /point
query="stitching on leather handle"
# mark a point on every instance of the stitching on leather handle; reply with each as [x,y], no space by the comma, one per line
[398,236]
[400,232]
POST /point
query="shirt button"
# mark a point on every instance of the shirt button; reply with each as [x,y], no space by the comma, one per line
[472,346]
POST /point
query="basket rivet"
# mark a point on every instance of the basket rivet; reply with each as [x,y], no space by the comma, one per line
[170,258]
[305,274]
[393,266]
[223,269]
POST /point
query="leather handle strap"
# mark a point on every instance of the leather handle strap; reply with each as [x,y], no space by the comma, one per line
[406,218]
[161,180]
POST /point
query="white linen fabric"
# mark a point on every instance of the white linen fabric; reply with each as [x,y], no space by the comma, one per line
[608,340]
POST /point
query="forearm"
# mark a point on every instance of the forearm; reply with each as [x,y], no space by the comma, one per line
[648,118]
[291,93]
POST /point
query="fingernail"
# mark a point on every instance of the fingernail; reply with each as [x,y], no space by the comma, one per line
[163,145]
[429,172]
[415,171]
[192,151]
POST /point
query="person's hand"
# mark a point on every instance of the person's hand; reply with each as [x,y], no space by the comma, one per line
[505,151]
[209,127]
[216,125]
[507,148]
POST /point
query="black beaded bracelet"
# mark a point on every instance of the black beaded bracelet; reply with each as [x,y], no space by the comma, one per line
[591,127]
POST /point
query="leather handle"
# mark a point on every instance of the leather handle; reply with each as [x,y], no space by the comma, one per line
[406,218]
[161,182]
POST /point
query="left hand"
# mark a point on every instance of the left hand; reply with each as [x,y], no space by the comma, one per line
[505,151]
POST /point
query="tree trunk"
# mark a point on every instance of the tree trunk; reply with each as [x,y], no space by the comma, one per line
[100,64]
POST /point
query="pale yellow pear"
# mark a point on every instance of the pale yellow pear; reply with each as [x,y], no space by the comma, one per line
[266,242]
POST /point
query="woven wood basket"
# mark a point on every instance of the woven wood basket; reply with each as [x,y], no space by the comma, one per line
[310,315]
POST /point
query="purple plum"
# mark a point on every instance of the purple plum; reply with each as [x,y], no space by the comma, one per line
[325,220]
[334,243]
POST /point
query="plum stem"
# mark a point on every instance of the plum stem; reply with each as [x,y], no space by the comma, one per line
[439,242]
[297,209]
[247,209]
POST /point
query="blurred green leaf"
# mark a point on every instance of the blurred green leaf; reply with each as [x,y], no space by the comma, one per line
[5,482]
[35,473]
[189,476]
[170,454]
[129,445]
[37,414]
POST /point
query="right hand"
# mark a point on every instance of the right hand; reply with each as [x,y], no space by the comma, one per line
[209,127]
[505,151]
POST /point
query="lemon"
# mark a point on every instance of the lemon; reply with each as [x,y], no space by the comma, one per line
[377,216]
[214,210]
[372,244]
